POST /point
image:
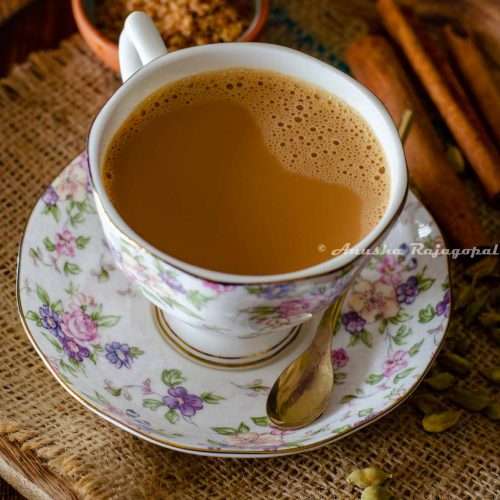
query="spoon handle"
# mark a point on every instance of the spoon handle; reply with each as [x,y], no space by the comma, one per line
[326,327]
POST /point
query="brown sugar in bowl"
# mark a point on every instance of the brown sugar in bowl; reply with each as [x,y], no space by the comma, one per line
[107,50]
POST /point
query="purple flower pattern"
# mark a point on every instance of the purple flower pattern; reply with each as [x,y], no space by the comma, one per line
[179,399]
[404,249]
[50,320]
[279,291]
[443,307]
[406,293]
[353,322]
[172,282]
[74,350]
[119,354]
[50,197]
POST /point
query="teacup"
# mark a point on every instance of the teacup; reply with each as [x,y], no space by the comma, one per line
[218,317]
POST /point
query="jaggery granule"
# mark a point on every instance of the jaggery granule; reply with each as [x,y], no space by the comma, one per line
[181,23]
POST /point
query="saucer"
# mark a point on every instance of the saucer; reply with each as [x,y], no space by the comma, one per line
[103,342]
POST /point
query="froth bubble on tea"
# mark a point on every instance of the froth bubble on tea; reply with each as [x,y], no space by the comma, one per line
[228,148]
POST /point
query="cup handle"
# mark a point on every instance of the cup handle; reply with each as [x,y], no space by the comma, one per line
[139,44]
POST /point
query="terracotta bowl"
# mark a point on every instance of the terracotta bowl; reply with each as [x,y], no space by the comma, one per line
[107,50]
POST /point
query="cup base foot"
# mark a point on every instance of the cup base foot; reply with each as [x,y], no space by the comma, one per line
[213,349]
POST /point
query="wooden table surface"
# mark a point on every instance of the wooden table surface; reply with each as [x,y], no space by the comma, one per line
[40,25]
[7,492]
[20,469]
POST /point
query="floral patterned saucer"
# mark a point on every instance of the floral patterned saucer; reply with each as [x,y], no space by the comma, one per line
[100,339]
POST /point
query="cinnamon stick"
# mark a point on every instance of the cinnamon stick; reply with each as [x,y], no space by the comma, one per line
[447,94]
[475,72]
[482,17]
[375,64]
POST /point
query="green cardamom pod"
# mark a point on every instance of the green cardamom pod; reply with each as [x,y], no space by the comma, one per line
[375,492]
[456,158]
[441,381]
[462,345]
[492,374]
[428,404]
[367,477]
[489,319]
[483,268]
[474,309]
[493,411]
[469,400]
[465,296]
[455,363]
[440,422]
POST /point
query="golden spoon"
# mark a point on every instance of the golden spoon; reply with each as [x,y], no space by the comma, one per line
[302,391]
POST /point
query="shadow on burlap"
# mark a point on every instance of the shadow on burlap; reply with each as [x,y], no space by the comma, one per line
[46,107]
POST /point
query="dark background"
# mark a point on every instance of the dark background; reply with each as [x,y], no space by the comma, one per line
[39,25]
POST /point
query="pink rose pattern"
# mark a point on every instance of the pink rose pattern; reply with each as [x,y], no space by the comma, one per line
[73,184]
[81,301]
[65,243]
[78,326]
[255,440]
[273,322]
[218,287]
[373,299]
[77,332]
[396,364]
[295,307]
[279,432]
[339,358]
[391,270]
[270,437]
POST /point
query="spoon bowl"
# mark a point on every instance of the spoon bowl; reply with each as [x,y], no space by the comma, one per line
[302,391]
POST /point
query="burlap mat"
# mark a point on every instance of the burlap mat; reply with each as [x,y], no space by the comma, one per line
[46,107]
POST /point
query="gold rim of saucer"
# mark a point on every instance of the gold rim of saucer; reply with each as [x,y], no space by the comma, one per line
[186,349]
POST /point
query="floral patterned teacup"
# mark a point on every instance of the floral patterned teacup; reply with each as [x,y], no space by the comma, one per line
[218,316]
